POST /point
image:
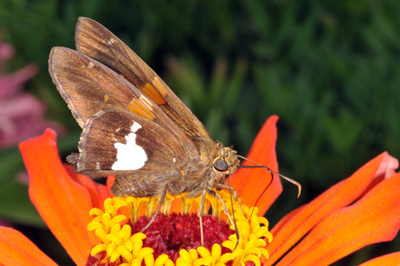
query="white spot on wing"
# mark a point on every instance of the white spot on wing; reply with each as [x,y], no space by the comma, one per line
[130,156]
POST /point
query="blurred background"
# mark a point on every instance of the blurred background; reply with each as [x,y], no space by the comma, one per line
[329,69]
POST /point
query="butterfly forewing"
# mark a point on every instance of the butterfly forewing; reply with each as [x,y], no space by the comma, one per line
[81,81]
[89,87]
[94,40]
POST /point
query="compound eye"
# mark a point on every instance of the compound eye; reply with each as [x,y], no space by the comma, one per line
[221,165]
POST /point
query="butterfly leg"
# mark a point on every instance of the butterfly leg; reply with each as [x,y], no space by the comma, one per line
[233,191]
[161,202]
[200,214]
[212,193]
[233,221]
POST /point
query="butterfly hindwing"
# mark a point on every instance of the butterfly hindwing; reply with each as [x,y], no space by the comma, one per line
[122,143]
[95,41]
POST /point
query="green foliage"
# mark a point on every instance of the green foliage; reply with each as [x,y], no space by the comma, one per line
[329,69]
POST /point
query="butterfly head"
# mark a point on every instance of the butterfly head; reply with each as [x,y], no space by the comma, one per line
[226,162]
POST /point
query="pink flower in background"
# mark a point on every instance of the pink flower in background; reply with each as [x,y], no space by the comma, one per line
[21,115]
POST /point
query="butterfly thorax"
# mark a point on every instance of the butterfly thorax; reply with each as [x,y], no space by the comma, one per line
[213,165]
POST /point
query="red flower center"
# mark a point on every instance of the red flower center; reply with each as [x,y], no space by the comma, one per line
[175,239]
[169,234]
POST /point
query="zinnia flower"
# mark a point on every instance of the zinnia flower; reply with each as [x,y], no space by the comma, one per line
[360,210]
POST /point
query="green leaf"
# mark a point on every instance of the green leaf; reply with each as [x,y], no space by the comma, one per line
[16,206]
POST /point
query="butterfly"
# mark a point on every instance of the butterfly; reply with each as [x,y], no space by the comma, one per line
[133,125]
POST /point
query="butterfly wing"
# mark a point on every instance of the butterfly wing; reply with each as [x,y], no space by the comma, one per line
[120,142]
[141,153]
[95,41]
[89,87]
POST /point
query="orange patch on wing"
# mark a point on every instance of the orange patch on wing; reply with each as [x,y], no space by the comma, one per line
[153,94]
[160,86]
[138,107]
[106,98]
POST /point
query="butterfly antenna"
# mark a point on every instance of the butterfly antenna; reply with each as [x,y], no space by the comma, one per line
[161,202]
[294,182]
[265,189]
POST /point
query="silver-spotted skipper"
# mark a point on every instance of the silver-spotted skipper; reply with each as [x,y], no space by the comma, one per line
[134,126]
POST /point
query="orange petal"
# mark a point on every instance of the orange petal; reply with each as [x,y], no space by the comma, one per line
[374,218]
[251,183]
[389,259]
[62,203]
[98,192]
[16,249]
[110,181]
[290,230]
